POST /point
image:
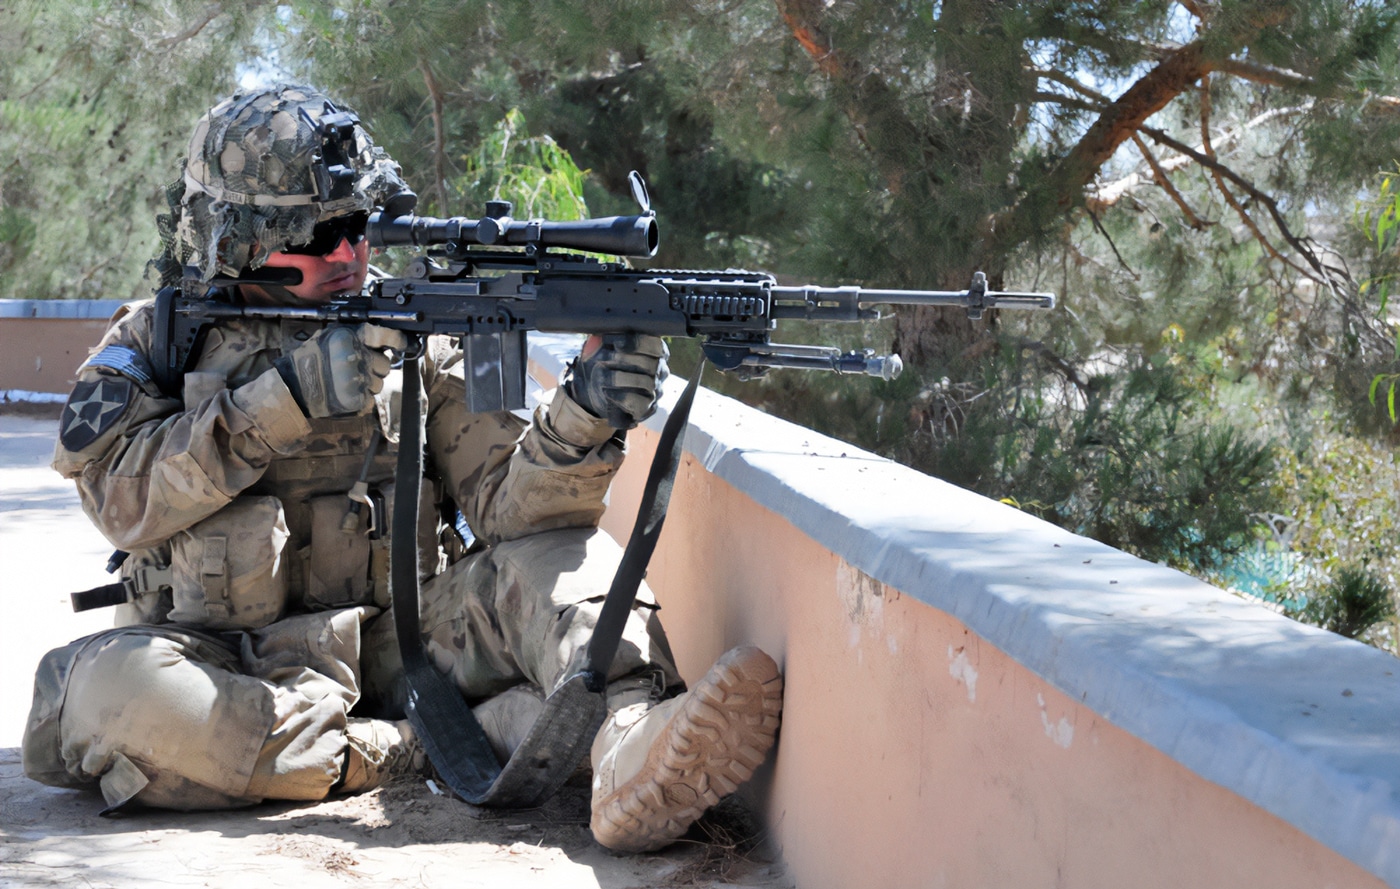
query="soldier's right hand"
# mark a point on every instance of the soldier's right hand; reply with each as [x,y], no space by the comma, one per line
[339,370]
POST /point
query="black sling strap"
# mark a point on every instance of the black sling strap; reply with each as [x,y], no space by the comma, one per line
[101,597]
[562,734]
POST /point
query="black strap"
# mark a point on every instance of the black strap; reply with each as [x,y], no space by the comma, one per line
[169,377]
[556,743]
[100,597]
[651,514]
[450,733]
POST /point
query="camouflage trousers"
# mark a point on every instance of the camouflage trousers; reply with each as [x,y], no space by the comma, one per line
[186,719]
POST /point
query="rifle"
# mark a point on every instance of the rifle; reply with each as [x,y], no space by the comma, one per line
[488,281]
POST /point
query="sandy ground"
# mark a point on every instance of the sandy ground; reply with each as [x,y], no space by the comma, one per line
[402,835]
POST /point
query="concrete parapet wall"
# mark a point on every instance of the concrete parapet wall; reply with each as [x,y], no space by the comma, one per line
[42,341]
[978,698]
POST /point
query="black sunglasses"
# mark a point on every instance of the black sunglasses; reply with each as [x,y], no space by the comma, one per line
[325,237]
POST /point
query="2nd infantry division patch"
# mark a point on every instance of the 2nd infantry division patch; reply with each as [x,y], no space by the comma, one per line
[92,409]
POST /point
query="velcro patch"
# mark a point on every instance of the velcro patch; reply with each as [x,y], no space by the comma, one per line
[91,410]
[124,360]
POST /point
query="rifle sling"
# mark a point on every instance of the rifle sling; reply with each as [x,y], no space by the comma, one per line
[562,734]
[646,530]
[100,597]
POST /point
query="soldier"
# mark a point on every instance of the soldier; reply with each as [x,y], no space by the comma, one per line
[259,660]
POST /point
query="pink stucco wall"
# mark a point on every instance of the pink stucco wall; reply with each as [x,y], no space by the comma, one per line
[43,354]
[913,753]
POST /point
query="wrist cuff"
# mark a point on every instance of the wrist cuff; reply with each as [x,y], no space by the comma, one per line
[571,423]
[273,410]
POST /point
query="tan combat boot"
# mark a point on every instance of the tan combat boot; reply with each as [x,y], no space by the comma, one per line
[378,750]
[658,768]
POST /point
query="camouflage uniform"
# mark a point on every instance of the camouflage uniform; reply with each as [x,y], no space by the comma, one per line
[242,674]
[234,685]
[268,622]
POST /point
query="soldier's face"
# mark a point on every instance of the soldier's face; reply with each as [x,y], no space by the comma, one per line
[325,277]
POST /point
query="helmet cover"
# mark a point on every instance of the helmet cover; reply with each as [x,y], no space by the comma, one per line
[263,168]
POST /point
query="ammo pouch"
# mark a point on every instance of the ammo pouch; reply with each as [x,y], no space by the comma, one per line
[347,562]
[227,571]
[340,563]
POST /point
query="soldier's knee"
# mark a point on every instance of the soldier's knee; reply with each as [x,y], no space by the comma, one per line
[173,708]
[130,671]
[552,552]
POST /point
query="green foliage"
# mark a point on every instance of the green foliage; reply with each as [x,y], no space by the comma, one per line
[1329,547]
[538,177]
[1350,605]
[1379,220]
[1340,493]
[96,102]
[1145,466]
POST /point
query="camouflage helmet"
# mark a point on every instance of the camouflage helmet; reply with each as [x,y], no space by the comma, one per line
[263,168]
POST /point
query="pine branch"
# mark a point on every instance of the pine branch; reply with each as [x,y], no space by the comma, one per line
[1065,187]
[1067,101]
[1268,74]
[211,12]
[1254,72]
[1061,364]
[1120,48]
[1192,7]
[1146,97]
[1064,79]
[1098,226]
[1323,273]
[1159,174]
[1229,196]
[1112,193]
[1272,76]
[1177,71]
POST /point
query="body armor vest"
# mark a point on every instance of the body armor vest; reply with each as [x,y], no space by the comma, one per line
[313,532]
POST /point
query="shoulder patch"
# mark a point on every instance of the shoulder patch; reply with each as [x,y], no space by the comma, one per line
[124,360]
[92,409]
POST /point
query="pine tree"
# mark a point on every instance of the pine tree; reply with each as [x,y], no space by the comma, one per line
[96,102]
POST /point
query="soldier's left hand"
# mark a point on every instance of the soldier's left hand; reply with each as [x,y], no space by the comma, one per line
[618,377]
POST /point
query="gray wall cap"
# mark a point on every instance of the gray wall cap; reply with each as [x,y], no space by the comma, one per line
[97,309]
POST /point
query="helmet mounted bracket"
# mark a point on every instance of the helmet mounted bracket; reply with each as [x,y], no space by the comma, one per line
[332,165]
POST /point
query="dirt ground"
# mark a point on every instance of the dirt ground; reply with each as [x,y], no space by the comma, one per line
[403,835]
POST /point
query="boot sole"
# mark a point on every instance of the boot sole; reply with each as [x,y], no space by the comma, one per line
[710,747]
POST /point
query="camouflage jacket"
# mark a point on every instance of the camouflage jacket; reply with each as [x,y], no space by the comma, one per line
[152,468]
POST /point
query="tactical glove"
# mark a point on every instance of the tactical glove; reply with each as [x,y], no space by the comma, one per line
[619,380]
[339,370]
